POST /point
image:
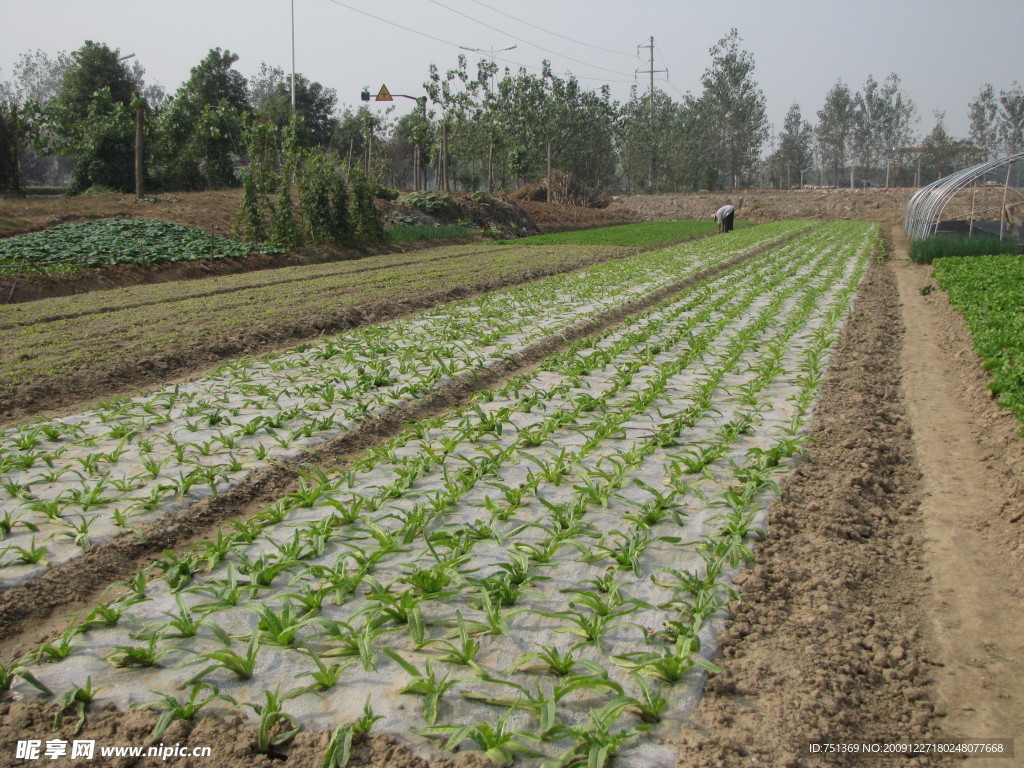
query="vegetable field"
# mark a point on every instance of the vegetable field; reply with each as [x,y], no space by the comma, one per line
[990,291]
[539,572]
[127,334]
[68,247]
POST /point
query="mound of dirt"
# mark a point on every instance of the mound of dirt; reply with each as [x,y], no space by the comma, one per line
[494,215]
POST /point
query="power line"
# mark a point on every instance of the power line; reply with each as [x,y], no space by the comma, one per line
[456,45]
[527,42]
[395,24]
[424,34]
[548,31]
[667,78]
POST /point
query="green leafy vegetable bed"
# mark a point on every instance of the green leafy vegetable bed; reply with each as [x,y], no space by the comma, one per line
[645,235]
[117,241]
[928,250]
[990,291]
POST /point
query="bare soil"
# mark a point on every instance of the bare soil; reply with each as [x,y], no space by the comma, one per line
[758,206]
[884,605]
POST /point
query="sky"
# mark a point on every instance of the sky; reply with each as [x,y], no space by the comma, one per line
[942,50]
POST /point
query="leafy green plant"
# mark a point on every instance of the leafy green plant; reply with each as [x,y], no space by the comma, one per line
[423,683]
[498,742]
[339,747]
[171,708]
[79,698]
[931,248]
[117,241]
[276,727]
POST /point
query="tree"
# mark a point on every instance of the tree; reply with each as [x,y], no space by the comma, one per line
[200,131]
[270,93]
[796,148]
[943,154]
[882,118]
[10,178]
[91,118]
[997,124]
[835,125]
[1011,119]
[734,109]
[983,113]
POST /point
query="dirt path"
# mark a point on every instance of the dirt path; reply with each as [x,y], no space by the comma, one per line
[827,643]
[967,450]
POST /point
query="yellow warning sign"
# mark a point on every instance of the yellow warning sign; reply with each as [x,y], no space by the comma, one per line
[383,94]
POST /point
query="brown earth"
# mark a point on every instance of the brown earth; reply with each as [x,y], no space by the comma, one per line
[759,206]
[884,606]
[215,213]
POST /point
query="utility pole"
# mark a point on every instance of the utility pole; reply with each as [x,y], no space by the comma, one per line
[140,108]
[293,57]
[651,71]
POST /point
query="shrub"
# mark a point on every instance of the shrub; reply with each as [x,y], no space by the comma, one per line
[426,202]
[285,233]
[366,222]
[927,250]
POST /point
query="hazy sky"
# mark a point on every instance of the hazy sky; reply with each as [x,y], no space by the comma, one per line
[943,50]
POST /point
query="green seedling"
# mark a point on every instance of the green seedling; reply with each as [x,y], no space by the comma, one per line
[79,698]
[672,664]
[241,666]
[30,555]
[462,653]
[11,672]
[171,708]
[347,641]
[423,683]
[498,742]
[101,616]
[276,727]
[137,655]
[58,650]
[597,742]
[326,676]
[278,627]
[339,747]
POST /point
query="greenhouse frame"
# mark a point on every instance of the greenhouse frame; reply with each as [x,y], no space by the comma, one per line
[985,200]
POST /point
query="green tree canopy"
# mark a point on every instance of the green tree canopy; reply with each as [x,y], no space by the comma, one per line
[199,133]
[270,93]
[734,108]
[90,119]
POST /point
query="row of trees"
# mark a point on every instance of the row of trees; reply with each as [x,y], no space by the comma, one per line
[476,128]
[870,133]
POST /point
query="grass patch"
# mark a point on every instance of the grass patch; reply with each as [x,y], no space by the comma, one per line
[414,233]
[990,292]
[931,248]
[649,234]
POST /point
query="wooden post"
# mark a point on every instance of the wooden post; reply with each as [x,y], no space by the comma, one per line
[139,171]
[490,166]
[444,157]
[551,188]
